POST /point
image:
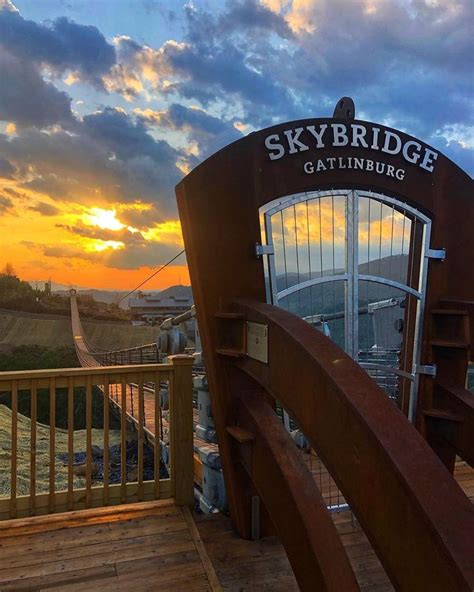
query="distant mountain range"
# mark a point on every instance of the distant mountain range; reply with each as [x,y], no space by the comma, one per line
[109,296]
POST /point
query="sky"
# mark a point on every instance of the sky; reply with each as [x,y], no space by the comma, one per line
[105,105]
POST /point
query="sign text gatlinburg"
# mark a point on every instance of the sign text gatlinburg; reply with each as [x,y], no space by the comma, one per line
[354,135]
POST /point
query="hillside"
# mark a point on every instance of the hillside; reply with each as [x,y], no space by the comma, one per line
[16,294]
[18,328]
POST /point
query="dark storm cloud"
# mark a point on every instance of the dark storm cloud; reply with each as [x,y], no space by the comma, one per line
[63,45]
[26,99]
[7,170]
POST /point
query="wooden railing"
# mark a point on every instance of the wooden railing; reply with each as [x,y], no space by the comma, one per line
[91,467]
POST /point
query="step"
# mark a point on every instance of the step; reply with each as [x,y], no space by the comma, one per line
[231,353]
[449,344]
[443,415]
[240,434]
[449,312]
[233,316]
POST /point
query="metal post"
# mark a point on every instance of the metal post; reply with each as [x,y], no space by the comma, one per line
[352,283]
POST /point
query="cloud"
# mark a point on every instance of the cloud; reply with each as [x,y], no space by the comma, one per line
[462,155]
[275,60]
[6,204]
[213,63]
[68,251]
[110,156]
[7,170]
[8,5]
[14,193]
[142,255]
[63,45]
[45,209]
[25,98]
[140,215]
[211,72]
[209,133]
[103,234]
[51,185]
[252,15]
[133,252]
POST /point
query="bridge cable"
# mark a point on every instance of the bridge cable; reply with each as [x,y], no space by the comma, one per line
[151,276]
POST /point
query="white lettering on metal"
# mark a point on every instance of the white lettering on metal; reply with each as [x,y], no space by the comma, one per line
[356,135]
[362,164]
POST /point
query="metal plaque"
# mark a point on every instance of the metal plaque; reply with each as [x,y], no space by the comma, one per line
[257,341]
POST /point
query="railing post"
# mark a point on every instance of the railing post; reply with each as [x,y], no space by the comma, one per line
[181,429]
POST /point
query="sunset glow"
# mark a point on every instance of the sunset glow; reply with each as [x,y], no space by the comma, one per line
[106,219]
[102,113]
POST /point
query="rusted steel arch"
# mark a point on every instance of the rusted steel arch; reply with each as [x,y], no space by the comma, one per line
[219,205]
[290,496]
[422,534]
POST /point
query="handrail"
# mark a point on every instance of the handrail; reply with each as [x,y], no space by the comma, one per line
[97,371]
[80,471]
[383,466]
[289,494]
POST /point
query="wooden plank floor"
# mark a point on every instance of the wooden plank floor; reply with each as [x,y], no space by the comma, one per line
[155,546]
[254,566]
[140,547]
[262,566]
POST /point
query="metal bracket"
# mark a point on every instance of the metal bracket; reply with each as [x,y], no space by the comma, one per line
[439,254]
[428,369]
[264,250]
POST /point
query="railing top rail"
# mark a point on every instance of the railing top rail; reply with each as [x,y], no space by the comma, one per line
[95,371]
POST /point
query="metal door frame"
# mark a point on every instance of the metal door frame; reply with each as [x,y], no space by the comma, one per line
[351,277]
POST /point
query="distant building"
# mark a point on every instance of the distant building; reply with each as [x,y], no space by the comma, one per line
[155,308]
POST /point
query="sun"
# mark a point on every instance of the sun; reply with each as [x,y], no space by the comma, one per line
[105,219]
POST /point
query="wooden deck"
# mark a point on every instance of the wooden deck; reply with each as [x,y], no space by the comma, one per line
[155,546]
[141,547]
[262,566]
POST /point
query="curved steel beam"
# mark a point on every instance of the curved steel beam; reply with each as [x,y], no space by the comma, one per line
[290,495]
[417,518]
